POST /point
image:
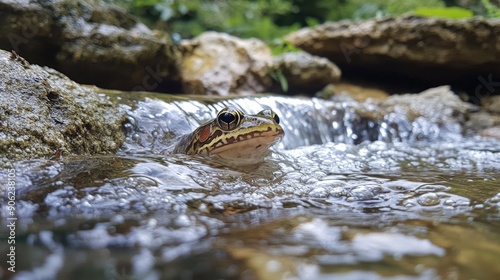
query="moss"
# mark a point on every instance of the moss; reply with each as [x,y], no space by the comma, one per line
[42,112]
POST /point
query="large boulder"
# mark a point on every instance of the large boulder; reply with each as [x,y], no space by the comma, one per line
[90,41]
[219,64]
[43,113]
[430,49]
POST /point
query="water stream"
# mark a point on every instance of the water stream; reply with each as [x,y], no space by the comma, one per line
[342,196]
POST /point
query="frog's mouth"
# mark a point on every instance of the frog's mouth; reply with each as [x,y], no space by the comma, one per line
[248,149]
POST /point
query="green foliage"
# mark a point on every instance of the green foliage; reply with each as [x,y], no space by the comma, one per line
[450,13]
[492,11]
[270,20]
[143,3]
[238,17]
[280,45]
[264,19]
[279,77]
[362,9]
[395,7]
[485,9]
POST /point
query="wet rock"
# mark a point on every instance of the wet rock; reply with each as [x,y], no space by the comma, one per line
[219,64]
[306,73]
[488,119]
[483,122]
[438,104]
[27,28]
[91,42]
[359,92]
[436,114]
[493,132]
[43,112]
[492,104]
[429,49]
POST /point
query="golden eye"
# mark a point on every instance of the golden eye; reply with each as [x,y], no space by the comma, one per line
[229,118]
[271,114]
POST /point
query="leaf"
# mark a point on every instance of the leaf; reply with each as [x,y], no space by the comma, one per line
[450,12]
[278,76]
[491,10]
[311,22]
[144,3]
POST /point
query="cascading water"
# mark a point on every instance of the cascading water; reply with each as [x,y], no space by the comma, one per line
[306,122]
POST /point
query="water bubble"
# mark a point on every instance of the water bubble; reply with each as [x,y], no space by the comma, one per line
[338,192]
[362,192]
[183,221]
[118,219]
[319,193]
[273,265]
[449,202]
[429,199]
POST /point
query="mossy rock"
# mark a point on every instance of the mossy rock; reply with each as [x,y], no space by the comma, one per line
[43,113]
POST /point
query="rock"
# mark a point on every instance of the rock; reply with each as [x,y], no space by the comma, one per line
[439,105]
[219,64]
[429,49]
[484,123]
[42,112]
[306,73]
[91,42]
[487,120]
[357,91]
[434,114]
[27,28]
[492,132]
[492,104]
[482,120]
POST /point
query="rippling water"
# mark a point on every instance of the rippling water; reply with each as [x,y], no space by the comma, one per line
[327,204]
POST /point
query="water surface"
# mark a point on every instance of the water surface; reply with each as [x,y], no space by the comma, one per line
[341,197]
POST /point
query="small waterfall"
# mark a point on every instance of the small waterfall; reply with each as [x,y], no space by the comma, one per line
[154,124]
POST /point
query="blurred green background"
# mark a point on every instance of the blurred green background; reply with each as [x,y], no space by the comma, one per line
[269,20]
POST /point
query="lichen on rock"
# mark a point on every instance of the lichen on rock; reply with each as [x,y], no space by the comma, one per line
[42,112]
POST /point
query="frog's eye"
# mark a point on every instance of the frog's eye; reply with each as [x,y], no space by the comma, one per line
[271,114]
[229,118]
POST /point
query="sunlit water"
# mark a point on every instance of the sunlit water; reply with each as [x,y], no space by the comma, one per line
[341,197]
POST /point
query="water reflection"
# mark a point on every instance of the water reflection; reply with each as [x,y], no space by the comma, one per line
[310,209]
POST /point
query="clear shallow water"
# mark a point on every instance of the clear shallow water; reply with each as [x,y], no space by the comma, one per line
[376,210]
